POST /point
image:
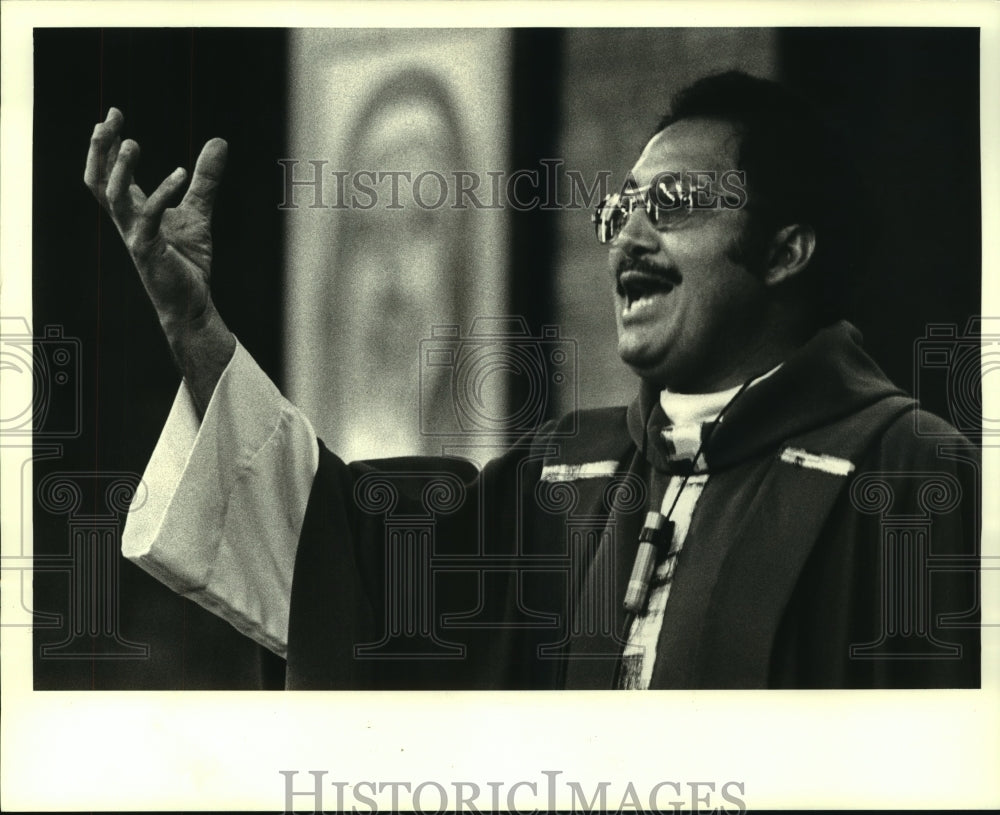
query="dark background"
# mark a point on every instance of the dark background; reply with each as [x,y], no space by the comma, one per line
[184,86]
[910,96]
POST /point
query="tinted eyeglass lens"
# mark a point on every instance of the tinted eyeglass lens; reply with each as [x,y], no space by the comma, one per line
[666,205]
[610,218]
[666,197]
[669,205]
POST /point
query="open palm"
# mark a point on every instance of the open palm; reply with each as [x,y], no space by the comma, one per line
[171,247]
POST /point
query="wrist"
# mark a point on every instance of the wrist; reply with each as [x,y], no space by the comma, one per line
[202,348]
[185,329]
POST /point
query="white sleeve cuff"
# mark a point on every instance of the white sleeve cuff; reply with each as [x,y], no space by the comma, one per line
[225,502]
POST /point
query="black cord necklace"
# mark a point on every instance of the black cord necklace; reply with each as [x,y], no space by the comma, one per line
[658,532]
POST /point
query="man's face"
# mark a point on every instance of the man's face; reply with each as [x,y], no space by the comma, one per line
[687,310]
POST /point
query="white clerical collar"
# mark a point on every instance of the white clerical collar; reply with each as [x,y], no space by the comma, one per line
[696,408]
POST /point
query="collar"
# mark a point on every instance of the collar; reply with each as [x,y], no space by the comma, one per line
[826,379]
[681,424]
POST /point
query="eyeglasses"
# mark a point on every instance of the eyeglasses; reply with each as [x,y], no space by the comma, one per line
[667,204]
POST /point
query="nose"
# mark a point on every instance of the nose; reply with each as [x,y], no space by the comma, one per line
[637,237]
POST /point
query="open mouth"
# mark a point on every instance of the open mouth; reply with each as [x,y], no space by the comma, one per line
[640,288]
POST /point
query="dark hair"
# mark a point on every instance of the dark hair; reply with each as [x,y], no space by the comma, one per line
[799,170]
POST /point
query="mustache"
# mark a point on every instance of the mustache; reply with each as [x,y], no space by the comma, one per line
[635,264]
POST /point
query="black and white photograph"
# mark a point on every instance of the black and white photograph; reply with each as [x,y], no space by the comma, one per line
[387,394]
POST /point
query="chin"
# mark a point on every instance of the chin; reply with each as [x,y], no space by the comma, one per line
[644,365]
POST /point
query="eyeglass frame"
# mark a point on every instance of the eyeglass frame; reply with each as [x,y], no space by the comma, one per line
[625,202]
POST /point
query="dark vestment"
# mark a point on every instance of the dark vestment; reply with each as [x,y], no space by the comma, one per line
[427,573]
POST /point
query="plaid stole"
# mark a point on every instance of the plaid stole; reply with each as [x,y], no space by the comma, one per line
[595,662]
[677,481]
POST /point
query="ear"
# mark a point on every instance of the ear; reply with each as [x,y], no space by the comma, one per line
[791,250]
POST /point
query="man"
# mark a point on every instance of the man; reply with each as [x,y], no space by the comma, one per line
[726,530]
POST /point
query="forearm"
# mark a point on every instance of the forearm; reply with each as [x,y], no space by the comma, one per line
[201,350]
[223,500]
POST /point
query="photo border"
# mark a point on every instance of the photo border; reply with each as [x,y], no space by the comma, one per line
[225,750]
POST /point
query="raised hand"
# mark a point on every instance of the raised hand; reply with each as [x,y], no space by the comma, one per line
[171,247]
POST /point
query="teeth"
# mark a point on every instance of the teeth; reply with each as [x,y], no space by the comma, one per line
[632,305]
[638,301]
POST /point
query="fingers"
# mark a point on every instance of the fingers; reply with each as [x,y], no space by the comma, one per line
[207,177]
[120,199]
[148,222]
[110,170]
[113,151]
[104,145]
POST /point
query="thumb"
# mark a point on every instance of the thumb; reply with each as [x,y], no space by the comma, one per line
[206,178]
